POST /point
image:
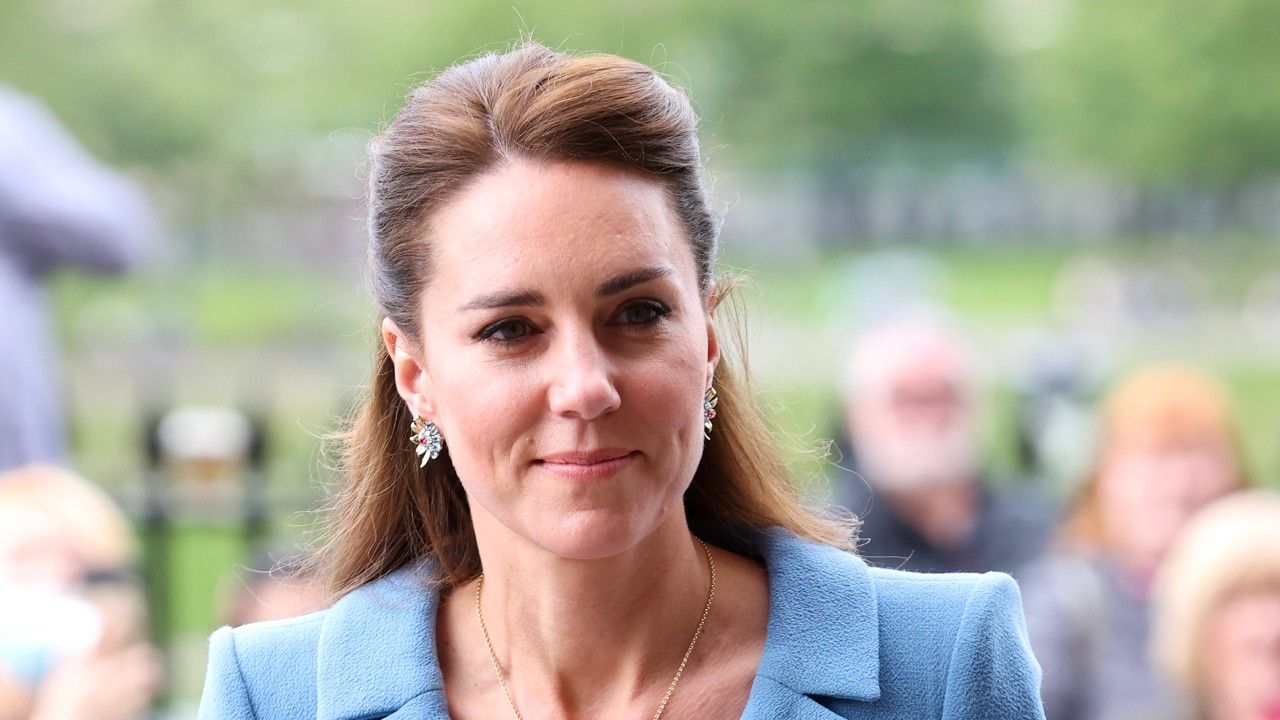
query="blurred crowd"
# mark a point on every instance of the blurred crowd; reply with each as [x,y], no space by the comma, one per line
[75,632]
[1151,590]
[1151,587]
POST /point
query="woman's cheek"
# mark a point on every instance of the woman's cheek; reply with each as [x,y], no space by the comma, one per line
[484,424]
[669,389]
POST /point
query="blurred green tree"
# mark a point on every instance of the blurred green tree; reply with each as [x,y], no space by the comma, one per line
[1161,91]
[159,83]
[836,82]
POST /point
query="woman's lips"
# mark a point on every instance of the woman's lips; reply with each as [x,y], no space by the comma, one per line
[591,465]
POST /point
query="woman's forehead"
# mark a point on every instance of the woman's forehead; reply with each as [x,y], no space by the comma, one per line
[557,221]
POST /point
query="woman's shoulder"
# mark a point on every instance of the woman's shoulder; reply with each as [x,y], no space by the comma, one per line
[324,660]
[264,669]
[947,594]
[947,614]
[896,594]
[266,643]
[913,644]
[970,624]
[957,612]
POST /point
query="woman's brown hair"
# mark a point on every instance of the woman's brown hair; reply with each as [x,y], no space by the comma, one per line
[539,104]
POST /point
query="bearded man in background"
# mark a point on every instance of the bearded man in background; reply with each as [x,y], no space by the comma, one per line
[914,472]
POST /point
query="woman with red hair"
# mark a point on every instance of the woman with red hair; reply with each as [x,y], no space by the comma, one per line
[1167,446]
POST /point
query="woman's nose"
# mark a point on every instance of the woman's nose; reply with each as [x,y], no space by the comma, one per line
[582,383]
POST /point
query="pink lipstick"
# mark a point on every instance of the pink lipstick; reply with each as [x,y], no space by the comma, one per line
[587,464]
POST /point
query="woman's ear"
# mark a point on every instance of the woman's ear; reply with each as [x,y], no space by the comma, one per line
[713,346]
[712,297]
[412,380]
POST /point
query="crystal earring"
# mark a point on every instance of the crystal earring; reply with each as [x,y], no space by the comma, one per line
[708,411]
[427,438]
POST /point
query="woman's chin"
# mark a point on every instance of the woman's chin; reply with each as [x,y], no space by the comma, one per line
[592,535]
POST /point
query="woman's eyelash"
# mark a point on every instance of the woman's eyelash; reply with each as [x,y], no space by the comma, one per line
[658,309]
[490,332]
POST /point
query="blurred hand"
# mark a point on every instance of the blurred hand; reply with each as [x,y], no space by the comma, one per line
[115,685]
[15,699]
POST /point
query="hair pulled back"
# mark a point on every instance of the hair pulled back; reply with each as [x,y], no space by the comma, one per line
[528,103]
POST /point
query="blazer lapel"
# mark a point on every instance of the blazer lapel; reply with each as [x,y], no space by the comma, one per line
[823,636]
[427,706]
[377,655]
[771,700]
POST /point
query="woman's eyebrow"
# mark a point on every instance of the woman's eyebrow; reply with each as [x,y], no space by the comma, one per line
[627,280]
[503,298]
[524,298]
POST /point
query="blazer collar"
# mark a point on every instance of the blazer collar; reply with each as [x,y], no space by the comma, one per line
[377,651]
[823,635]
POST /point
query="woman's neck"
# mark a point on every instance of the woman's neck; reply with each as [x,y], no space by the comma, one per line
[590,636]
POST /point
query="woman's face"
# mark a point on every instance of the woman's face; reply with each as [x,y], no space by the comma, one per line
[566,351]
[1147,492]
[1242,657]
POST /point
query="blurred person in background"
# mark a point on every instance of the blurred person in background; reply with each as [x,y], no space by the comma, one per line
[1167,447]
[1216,627]
[58,208]
[915,412]
[72,615]
[270,590]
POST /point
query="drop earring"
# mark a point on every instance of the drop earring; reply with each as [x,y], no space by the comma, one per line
[426,436]
[708,411]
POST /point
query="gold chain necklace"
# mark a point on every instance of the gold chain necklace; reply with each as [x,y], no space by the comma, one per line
[702,622]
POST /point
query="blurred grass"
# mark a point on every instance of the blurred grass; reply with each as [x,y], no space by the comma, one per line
[1013,284]
[218,307]
[204,558]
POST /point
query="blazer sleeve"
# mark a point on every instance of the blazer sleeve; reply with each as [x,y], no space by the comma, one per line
[225,695]
[993,673]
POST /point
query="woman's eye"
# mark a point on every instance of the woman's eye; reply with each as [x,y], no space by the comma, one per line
[643,313]
[505,331]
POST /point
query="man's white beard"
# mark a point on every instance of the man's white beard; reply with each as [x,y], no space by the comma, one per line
[898,463]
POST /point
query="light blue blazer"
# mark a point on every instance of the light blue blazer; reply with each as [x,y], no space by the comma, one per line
[843,641]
